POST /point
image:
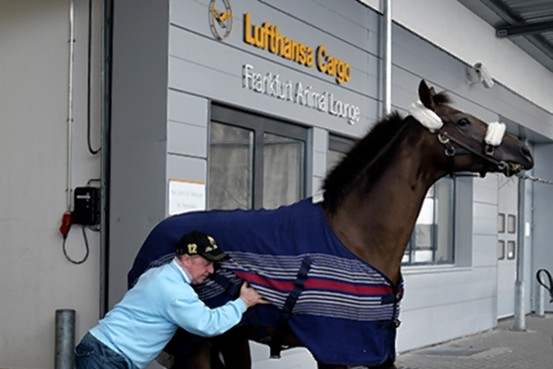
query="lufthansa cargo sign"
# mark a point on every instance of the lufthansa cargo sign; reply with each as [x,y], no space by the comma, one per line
[268,37]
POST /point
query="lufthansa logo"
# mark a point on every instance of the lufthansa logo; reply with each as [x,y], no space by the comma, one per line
[220,18]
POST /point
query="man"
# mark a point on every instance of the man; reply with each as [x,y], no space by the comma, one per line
[136,330]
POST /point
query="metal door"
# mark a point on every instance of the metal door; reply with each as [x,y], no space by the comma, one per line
[506,244]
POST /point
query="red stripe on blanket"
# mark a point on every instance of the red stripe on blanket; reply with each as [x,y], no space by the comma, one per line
[318,284]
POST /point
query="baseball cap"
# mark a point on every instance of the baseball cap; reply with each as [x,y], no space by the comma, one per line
[198,243]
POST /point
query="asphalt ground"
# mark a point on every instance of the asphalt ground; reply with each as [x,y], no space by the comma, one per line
[498,348]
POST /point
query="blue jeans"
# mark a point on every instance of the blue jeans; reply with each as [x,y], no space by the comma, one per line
[93,354]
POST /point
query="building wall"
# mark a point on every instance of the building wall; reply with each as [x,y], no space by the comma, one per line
[167,69]
[442,21]
[466,291]
[138,158]
[35,277]
[216,73]
[542,231]
[202,69]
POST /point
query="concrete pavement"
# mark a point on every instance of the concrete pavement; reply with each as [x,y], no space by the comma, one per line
[499,348]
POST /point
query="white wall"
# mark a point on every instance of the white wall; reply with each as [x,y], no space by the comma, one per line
[441,21]
[35,277]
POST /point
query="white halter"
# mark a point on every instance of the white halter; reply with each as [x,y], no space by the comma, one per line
[495,133]
[425,116]
[429,119]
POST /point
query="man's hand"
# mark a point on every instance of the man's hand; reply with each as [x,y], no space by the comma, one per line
[250,296]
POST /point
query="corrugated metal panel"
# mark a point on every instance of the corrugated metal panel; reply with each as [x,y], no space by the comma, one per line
[530,21]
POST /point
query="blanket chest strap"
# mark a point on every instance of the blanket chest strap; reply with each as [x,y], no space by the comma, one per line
[282,324]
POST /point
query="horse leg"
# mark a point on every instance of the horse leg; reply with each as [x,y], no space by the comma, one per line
[199,360]
[235,349]
[386,365]
[325,366]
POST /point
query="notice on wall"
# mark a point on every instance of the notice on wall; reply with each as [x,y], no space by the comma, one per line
[185,196]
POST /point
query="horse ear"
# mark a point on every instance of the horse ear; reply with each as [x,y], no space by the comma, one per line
[426,95]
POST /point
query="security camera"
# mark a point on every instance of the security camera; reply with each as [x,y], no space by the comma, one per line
[478,73]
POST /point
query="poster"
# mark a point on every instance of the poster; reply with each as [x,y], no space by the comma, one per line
[185,196]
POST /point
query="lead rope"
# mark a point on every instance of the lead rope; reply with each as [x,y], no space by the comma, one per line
[535,179]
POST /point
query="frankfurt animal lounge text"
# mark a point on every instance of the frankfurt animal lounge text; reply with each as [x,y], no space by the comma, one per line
[271,84]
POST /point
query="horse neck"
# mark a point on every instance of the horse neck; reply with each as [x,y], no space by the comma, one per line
[376,225]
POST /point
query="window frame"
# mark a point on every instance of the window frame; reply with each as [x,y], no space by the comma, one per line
[261,124]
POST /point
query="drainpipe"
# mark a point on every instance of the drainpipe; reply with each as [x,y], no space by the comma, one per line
[69,168]
[106,149]
[519,323]
[387,57]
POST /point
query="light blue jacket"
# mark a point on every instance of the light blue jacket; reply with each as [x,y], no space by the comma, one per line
[162,300]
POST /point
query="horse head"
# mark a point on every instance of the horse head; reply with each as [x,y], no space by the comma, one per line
[466,142]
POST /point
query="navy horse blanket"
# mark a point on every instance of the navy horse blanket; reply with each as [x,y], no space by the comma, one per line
[347,312]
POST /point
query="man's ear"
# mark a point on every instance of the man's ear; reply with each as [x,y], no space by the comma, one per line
[184,258]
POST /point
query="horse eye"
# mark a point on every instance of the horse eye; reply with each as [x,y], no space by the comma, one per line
[463,122]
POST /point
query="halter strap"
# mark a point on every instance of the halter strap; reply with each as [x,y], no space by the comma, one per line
[495,133]
[450,151]
[431,120]
[425,116]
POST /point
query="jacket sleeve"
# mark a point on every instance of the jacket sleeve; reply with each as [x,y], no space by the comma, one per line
[188,312]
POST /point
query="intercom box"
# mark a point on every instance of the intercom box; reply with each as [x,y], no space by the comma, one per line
[86,206]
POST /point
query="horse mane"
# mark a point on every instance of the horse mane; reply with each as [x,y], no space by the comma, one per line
[342,178]
[364,156]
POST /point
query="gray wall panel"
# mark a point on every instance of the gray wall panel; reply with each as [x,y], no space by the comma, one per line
[422,59]
[521,111]
[193,16]
[543,213]
[487,189]
[222,81]
[187,168]
[186,139]
[459,320]
[320,151]
[187,109]
[187,130]
[461,285]
[485,218]
[227,56]
[485,250]
[138,133]
[348,21]
[463,222]
[355,51]
[417,59]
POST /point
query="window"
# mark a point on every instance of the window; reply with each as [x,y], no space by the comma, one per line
[337,148]
[500,250]
[511,247]
[501,223]
[230,184]
[511,223]
[432,238]
[254,161]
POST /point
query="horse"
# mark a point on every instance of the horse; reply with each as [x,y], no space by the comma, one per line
[331,267]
